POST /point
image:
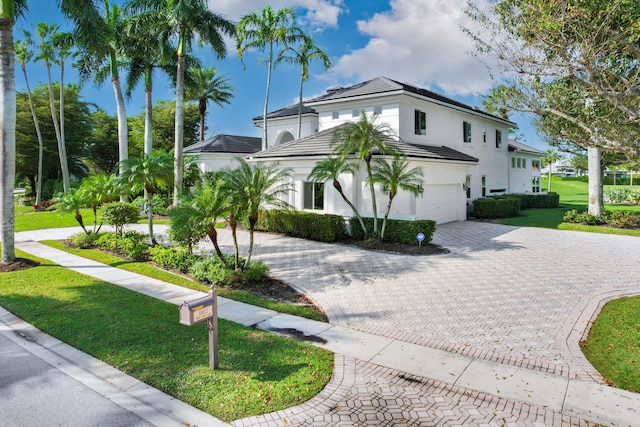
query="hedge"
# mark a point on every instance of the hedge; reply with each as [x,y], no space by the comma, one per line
[489,208]
[534,201]
[306,225]
[397,230]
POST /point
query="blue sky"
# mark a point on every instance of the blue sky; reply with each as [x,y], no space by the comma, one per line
[416,41]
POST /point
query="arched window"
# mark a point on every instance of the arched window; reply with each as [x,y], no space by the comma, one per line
[284,137]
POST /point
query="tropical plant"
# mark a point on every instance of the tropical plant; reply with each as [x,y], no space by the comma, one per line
[396,176]
[148,173]
[182,225]
[207,204]
[330,169]
[101,55]
[119,214]
[96,190]
[207,86]
[72,202]
[47,55]
[9,11]
[362,138]
[183,20]
[266,30]
[302,55]
[253,187]
[550,158]
[24,54]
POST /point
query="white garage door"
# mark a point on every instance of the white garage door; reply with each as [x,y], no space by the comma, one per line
[440,202]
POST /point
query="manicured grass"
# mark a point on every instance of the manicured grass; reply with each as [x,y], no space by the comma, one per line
[613,344]
[573,195]
[31,220]
[259,372]
[165,276]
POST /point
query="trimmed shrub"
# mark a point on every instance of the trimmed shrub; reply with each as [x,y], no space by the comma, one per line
[213,270]
[306,225]
[622,219]
[396,230]
[621,195]
[489,208]
[578,217]
[132,244]
[119,214]
[83,240]
[534,201]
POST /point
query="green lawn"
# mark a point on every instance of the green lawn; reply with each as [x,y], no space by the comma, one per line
[259,372]
[613,344]
[573,195]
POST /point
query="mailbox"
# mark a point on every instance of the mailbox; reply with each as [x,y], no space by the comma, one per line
[198,310]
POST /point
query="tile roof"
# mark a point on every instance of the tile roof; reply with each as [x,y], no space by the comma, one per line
[381,85]
[289,111]
[515,145]
[321,144]
[227,144]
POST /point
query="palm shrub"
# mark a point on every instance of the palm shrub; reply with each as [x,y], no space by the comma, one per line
[72,202]
[398,231]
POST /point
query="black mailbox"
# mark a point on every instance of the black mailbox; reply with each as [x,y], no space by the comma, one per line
[198,310]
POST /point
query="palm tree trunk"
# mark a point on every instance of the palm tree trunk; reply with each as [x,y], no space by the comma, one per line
[123,144]
[8,130]
[596,203]
[179,131]
[374,205]
[213,236]
[386,216]
[265,143]
[78,217]
[148,113]
[300,105]
[353,208]
[66,180]
[38,134]
[150,216]
[234,234]
[250,251]
[62,152]
[202,107]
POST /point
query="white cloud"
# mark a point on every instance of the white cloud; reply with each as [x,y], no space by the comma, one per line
[318,12]
[420,42]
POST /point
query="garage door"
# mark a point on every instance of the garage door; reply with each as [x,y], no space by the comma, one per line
[440,203]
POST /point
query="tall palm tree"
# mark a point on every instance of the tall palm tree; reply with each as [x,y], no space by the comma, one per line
[9,11]
[63,44]
[265,31]
[47,55]
[255,186]
[302,55]
[24,54]
[207,86]
[396,176]
[330,169]
[101,53]
[207,204]
[150,173]
[183,20]
[551,157]
[363,138]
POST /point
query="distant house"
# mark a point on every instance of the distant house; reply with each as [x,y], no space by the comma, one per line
[463,151]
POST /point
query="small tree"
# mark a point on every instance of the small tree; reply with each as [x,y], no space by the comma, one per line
[96,190]
[396,176]
[549,160]
[72,202]
[120,214]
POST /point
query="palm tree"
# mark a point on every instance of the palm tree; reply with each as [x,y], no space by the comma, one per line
[306,52]
[149,173]
[255,186]
[266,30]
[183,20]
[96,190]
[207,204]
[549,160]
[207,86]
[396,176]
[46,33]
[72,202]
[9,11]
[63,44]
[101,53]
[330,169]
[24,54]
[363,138]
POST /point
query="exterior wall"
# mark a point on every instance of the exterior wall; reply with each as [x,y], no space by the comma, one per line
[521,178]
[388,112]
[276,128]
[208,162]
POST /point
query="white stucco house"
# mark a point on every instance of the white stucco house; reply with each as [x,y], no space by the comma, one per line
[463,151]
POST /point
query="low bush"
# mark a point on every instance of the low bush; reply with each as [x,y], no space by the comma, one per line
[622,219]
[534,201]
[396,230]
[132,244]
[489,208]
[119,214]
[174,258]
[213,270]
[578,217]
[621,195]
[306,225]
[83,240]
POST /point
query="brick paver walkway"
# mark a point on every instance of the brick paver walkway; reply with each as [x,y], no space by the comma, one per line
[519,296]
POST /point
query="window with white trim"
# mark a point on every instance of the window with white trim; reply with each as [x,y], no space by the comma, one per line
[484,185]
[535,184]
[335,115]
[420,122]
[377,110]
[313,195]
[466,132]
[467,185]
[484,134]
[498,138]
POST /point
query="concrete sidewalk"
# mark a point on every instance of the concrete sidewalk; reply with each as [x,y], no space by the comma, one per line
[571,397]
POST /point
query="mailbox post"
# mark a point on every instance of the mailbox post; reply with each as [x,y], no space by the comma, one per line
[201,309]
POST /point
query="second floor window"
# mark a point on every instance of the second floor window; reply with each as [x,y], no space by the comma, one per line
[335,115]
[466,131]
[420,122]
[498,138]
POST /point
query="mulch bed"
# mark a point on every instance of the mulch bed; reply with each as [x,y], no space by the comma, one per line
[18,264]
[397,248]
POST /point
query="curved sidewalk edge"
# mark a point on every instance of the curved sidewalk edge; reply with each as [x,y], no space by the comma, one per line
[148,403]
